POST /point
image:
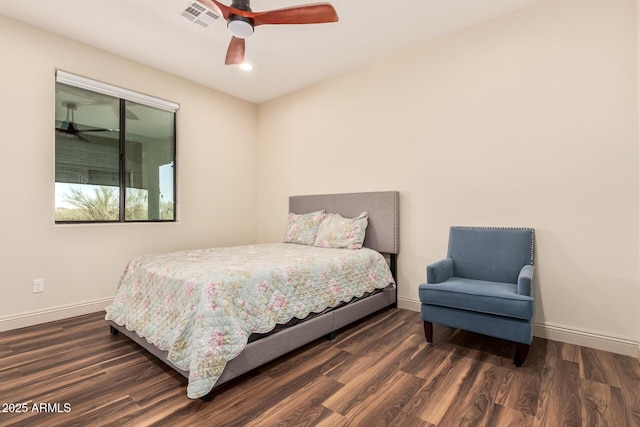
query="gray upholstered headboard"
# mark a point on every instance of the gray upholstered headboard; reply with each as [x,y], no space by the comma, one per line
[382,231]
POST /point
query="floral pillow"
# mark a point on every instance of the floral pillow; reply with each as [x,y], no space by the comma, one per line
[337,231]
[303,228]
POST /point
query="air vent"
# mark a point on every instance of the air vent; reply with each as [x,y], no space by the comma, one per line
[198,14]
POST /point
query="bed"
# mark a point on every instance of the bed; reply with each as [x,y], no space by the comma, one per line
[215,314]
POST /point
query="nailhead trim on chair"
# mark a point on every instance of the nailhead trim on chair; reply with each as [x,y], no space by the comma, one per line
[532,230]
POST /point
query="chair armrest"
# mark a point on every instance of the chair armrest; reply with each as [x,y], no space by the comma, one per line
[440,271]
[525,281]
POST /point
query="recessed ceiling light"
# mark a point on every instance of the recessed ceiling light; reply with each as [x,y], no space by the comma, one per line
[246,66]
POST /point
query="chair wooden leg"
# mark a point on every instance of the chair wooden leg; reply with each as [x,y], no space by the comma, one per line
[428,331]
[522,351]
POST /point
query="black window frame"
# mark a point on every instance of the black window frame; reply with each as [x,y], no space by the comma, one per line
[122,153]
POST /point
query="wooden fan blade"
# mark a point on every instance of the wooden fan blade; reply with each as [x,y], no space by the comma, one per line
[314,13]
[235,53]
[317,13]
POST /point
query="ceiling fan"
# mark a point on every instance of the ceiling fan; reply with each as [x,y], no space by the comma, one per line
[241,21]
[70,128]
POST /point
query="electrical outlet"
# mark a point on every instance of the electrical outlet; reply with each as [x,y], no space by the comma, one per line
[38,285]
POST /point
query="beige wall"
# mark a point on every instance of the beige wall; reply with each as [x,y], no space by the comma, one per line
[528,120]
[81,263]
[638,108]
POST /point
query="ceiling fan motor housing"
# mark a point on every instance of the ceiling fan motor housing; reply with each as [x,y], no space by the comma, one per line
[240,26]
[242,5]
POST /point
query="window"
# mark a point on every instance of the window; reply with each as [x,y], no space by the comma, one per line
[115,154]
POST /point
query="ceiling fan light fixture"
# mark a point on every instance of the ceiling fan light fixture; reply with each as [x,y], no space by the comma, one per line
[240,27]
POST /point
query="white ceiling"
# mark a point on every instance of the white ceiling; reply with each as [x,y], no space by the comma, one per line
[285,57]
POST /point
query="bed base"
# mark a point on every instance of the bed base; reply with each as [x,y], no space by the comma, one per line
[266,349]
[382,236]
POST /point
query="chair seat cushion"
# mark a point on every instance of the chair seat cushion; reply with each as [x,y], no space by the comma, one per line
[497,298]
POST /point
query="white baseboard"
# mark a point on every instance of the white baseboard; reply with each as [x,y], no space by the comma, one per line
[408,304]
[600,341]
[570,335]
[550,331]
[37,317]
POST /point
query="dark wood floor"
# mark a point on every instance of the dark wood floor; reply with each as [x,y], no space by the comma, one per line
[378,372]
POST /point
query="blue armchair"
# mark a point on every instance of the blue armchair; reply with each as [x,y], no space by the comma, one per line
[485,285]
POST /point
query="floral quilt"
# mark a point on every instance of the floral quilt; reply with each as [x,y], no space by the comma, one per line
[202,305]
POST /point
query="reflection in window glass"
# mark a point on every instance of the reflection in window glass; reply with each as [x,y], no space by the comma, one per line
[149,152]
[87,155]
[100,155]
